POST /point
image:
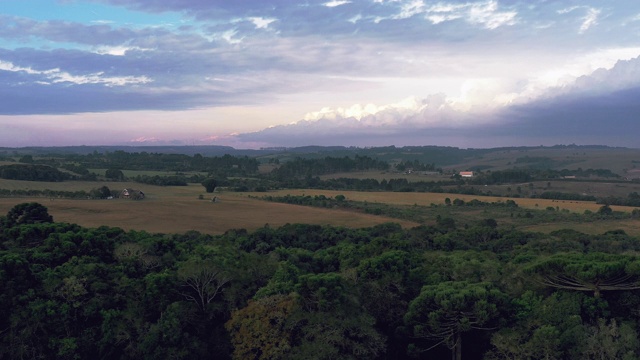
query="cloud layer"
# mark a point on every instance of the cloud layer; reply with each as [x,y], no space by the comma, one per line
[394,67]
[601,108]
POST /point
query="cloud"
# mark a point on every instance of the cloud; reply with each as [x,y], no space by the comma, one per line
[600,108]
[55,76]
[257,53]
[261,23]
[486,14]
[335,3]
[589,20]
[411,111]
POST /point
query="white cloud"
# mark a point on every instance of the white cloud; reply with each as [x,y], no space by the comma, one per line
[335,3]
[590,20]
[410,9]
[261,23]
[565,75]
[117,50]
[228,36]
[437,19]
[143,139]
[486,14]
[568,10]
[433,110]
[359,111]
[56,76]
[355,19]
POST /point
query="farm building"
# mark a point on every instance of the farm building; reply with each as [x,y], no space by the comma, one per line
[466,174]
[132,194]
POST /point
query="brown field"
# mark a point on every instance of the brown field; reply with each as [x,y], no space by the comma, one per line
[425,199]
[618,160]
[178,209]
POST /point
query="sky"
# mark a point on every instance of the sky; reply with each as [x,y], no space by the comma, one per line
[282,73]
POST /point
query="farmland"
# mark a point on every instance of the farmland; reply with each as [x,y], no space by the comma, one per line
[178,209]
[409,201]
[172,209]
[430,205]
[308,248]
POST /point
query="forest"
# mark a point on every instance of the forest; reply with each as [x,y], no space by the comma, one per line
[307,291]
[466,283]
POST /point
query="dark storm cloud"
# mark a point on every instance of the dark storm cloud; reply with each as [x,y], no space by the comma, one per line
[615,116]
[602,108]
[612,119]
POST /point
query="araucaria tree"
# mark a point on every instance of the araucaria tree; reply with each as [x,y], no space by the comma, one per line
[444,311]
[594,272]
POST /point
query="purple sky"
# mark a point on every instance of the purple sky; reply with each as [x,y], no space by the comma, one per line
[252,73]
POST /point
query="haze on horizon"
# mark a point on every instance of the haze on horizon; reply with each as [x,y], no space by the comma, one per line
[261,73]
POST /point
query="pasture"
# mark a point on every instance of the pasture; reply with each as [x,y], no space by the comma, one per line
[470,215]
[618,160]
[178,209]
[425,199]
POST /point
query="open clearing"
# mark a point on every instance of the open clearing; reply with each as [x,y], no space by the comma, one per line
[631,226]
[425,199]
[178,210]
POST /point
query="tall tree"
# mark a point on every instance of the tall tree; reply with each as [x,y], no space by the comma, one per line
[594,272]
[445,311]
[202,280]
[210,185]
[28,213]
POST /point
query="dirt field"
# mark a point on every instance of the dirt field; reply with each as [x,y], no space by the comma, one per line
[178,209]
[425,199]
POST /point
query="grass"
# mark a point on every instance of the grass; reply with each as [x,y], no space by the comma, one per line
[617,160]
[566,214]
[177,209]
[425,199]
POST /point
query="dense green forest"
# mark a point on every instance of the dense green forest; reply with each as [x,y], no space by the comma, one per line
[483,291]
